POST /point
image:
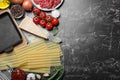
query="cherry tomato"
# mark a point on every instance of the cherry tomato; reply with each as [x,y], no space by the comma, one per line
[49,18]
[42,15]
[55,21]
[18,74]
[49,26]
[36,19]
[36,11]
[42,23]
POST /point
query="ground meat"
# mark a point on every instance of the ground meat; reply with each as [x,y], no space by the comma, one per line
[49,4]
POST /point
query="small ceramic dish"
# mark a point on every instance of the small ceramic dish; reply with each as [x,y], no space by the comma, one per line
[17,11]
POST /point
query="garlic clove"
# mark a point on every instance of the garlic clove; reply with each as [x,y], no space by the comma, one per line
[55,13]
[31,76]
[38,76]
[46,75]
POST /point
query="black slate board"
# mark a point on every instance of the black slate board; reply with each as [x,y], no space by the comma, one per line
[9,34]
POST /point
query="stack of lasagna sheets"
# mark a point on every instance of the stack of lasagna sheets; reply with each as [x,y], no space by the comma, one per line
[35,57]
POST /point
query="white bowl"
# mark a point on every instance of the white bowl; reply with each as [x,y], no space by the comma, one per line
[45,9]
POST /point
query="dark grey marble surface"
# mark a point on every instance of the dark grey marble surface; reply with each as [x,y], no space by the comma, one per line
[90,31]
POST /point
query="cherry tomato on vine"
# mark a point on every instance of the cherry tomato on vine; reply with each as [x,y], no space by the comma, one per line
[36,11]
[42,15]
[49,26]
[36,19]
[55,21]
[49,18]
[42,23]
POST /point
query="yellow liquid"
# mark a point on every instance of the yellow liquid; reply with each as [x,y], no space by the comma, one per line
[4,4]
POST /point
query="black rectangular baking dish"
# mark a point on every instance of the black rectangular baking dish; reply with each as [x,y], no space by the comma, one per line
[9,34]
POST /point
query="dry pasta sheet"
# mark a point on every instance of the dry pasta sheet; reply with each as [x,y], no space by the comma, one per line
[38,57]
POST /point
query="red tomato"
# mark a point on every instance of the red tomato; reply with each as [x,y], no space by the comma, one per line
[49,18]
[42,15]
[49,26]
[36,11]
[36,19]
[42,23]
[18,74]
[55,21]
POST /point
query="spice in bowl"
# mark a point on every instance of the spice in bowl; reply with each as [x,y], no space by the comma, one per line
[17,11]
